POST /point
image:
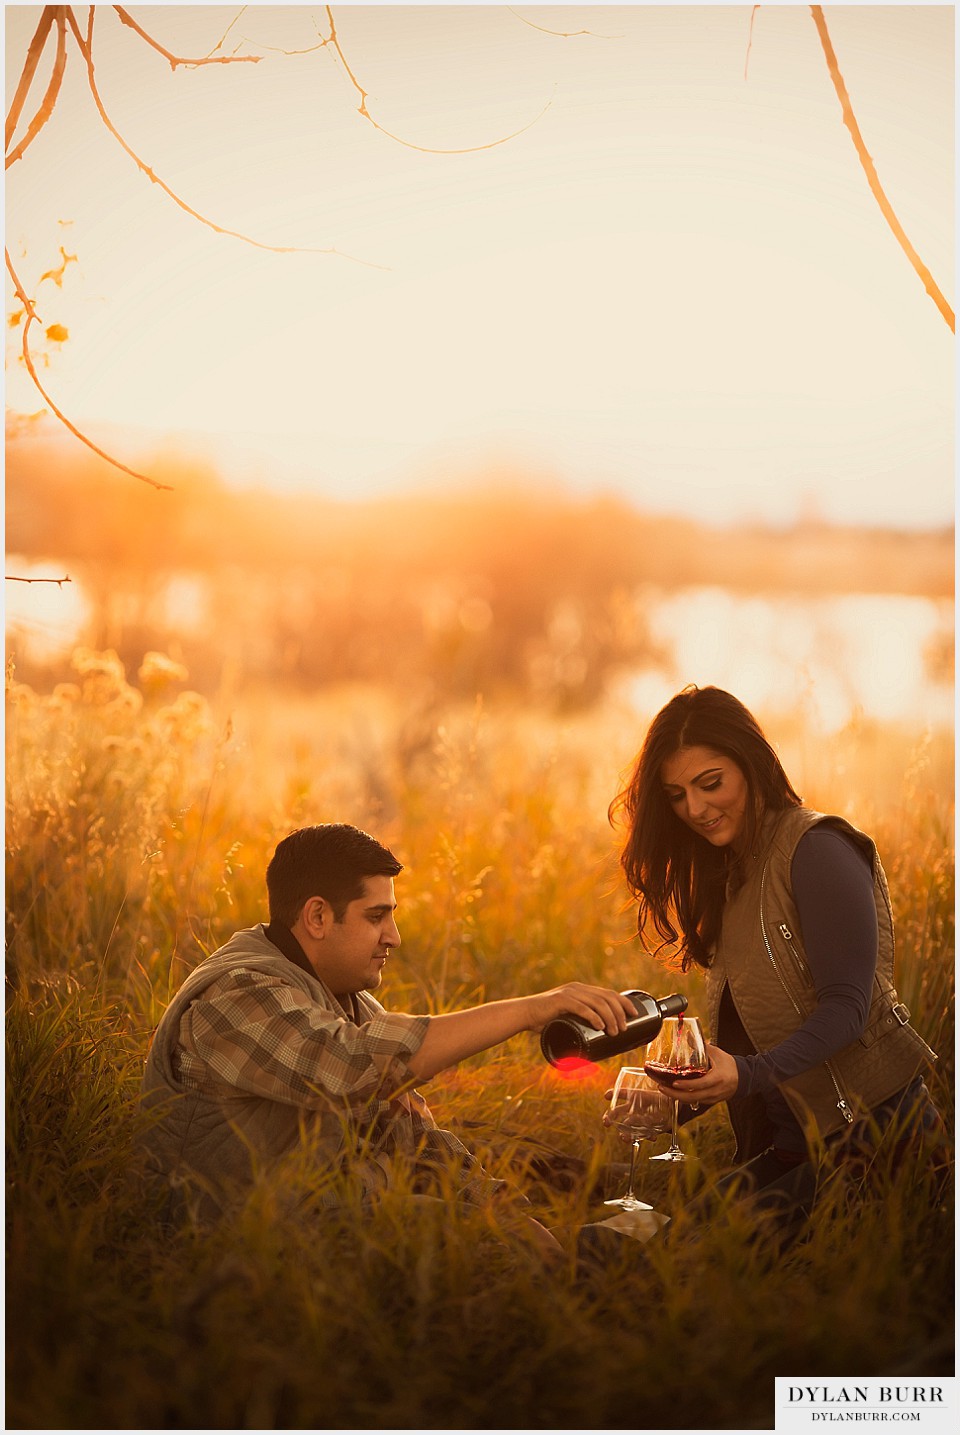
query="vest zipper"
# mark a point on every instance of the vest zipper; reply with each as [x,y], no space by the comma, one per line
[843,1105]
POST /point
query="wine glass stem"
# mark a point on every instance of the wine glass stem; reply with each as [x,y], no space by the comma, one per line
[634,1148]
[674,1144]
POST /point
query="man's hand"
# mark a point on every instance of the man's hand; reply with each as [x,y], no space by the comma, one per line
[600,1007]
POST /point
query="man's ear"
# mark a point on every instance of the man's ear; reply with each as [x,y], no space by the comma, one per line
[316,916]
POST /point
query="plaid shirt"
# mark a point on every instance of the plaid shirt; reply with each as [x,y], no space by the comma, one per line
[261,1035]
[254,1033]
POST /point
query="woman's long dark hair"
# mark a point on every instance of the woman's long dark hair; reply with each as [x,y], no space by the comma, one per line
[678,878]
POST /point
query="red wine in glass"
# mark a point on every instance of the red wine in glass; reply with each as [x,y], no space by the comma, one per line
[676,1054]
[662,1072]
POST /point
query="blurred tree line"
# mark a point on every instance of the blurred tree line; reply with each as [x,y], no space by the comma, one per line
[507,588]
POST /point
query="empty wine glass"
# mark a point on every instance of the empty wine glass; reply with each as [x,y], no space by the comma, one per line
[676,1054]
[639,1110]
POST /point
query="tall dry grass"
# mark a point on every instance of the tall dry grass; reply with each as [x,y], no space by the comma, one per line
[139,825]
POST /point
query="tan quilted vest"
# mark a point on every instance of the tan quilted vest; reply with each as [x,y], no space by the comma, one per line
[760,956]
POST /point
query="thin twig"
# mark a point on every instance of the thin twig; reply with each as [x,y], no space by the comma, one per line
[50,98]
[849,119]
[31,314]
[561,34]
[746,61]
[86,49]
[34,51]
[279,50]
[219,44]
[127,19]
[13,578]
[423,149]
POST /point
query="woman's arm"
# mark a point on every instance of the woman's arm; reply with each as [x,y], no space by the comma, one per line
[833,891]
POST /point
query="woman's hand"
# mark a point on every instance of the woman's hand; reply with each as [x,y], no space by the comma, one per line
[717,1084]
[600,1007]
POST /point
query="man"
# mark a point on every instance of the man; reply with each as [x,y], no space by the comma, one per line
[274,1046]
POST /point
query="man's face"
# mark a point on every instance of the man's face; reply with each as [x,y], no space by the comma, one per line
[351,954]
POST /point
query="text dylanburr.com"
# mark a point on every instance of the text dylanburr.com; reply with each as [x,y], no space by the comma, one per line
[805,1403]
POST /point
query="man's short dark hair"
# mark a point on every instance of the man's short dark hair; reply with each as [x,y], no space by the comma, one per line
[330,860]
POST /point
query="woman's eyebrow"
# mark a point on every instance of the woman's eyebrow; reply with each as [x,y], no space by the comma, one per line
[707,772]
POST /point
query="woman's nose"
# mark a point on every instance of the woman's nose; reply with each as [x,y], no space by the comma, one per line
[696,803]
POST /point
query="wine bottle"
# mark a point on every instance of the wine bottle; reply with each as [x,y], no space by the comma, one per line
[568,1036]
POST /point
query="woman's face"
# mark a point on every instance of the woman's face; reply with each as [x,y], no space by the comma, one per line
[708,792]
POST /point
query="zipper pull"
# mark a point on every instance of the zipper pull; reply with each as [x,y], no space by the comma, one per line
[845,1109]
[785,932]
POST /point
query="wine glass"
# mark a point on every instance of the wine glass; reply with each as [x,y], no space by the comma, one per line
[676,1054]
[639,1110]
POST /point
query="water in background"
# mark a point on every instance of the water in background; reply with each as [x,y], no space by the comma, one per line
[885,656]
[888,656]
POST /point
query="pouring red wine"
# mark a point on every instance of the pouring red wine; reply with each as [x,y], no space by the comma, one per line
[676,1054]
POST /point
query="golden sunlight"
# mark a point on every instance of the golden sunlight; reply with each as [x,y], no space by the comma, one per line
[672,282]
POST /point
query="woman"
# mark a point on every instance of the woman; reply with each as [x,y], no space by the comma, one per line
[788,911]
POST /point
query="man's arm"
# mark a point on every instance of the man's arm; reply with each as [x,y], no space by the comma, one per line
[455,1035]
[261,1035]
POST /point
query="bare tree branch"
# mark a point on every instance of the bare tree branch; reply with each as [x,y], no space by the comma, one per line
[333,41]
[219,44]
[32,316]
[561,34]
[279,50]
[849,119]
[127,19]
[64,16]
[13,578]
[270,49]
[746,61]
[86,49]
[50,98]
[34,51]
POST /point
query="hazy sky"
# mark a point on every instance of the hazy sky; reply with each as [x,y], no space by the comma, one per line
[674,283]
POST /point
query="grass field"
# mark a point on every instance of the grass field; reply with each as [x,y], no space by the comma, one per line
[139,825]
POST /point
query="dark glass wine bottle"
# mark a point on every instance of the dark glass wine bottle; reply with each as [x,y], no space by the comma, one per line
[568,1036]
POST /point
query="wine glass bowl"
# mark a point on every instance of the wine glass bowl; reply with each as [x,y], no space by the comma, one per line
[676,1054]
[639,1110]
